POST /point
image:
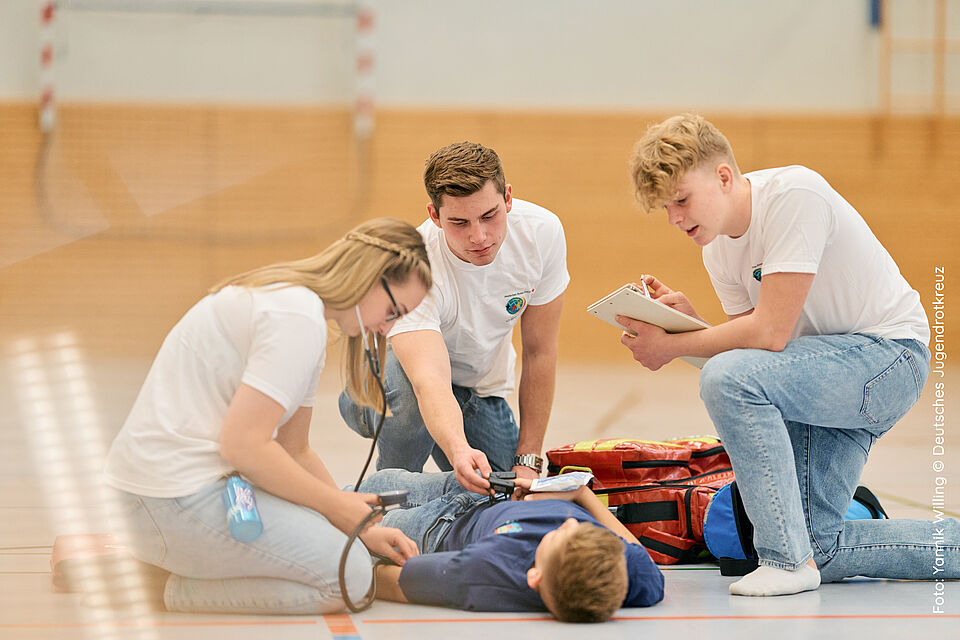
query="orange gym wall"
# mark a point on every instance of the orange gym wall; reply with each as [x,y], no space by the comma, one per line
[144,207]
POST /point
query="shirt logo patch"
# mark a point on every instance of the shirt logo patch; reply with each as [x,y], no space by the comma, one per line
[514,305]
[511,527]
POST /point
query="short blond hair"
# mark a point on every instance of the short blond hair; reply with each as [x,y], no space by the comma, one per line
[585,580]
[668,150]
[461,169]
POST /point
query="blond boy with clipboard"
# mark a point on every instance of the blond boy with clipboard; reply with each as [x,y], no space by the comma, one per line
[824,350]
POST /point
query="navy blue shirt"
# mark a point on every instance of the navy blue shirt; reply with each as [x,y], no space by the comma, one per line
[482,563]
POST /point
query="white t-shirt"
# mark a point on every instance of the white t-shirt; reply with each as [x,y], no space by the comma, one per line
[476,307]
[799,224]
[272,339]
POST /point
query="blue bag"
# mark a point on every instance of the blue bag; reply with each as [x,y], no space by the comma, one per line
[728,532]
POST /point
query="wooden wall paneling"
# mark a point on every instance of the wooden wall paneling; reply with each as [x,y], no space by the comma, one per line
[154,204]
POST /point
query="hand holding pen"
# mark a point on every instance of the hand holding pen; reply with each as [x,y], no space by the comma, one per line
[660,292]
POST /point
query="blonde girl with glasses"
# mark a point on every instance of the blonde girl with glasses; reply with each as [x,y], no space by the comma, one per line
[231,391]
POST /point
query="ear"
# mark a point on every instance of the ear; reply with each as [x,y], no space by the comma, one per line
[534,578]
[508,196]
[433,213]
[725,174]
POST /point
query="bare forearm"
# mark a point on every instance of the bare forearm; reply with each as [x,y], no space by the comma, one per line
[388,583]
[442,417]
[598,510]
[747,332]
[271,467]
[426,361]
[537,386]
[309,460]
[294,437]
[769,326]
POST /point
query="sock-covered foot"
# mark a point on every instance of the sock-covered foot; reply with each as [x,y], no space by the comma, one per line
[770,581]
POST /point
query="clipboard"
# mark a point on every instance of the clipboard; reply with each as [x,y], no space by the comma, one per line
[629,300]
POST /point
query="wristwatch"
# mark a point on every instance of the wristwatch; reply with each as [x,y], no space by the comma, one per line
[531,460]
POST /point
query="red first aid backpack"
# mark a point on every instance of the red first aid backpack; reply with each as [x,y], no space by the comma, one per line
[660,490]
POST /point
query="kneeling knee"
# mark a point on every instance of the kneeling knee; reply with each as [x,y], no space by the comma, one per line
[719,376]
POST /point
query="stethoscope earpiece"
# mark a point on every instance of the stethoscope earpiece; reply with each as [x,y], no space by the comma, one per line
[371,361]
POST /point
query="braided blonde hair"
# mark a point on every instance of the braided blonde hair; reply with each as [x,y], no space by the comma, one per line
[342,274]
[386,245]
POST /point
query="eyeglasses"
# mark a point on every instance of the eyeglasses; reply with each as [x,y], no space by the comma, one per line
[396,310]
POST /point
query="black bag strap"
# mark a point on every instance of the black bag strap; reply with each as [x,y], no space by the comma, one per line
[636,513]
[680,483]
[744,526]
[683,556]
[865,497]
[706,453]
[736,566]
[654,464]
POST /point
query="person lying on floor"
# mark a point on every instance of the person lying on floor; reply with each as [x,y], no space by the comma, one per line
[558,551]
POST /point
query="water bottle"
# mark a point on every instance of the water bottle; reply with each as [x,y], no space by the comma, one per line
[242,514]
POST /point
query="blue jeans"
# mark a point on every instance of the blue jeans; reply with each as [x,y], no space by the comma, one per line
[292,568]
[404,441]
[798,426]
[434,501]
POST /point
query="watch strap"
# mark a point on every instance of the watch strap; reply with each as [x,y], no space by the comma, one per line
[531,460]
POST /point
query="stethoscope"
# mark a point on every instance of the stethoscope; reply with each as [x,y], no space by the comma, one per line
[378,375]
[388,500]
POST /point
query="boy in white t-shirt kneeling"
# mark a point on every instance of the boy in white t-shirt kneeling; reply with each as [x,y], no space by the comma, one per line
[824,350]
[497,262]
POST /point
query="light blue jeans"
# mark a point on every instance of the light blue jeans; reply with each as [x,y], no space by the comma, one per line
[434,501]
[404,441]
[292,568]
[798,426]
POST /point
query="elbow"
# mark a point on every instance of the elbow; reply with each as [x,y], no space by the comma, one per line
[542,354]
[775,342]
[424,384]
[648,592]
[231,453]
[658,592]
[767,335]
[235,451]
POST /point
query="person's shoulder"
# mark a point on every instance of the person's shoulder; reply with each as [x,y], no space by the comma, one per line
[430,234]
[444,276]
[284,299]
[231,294]
[533,227]
[428,229]
[781,179]
[645,580]
[433,241]
[712,254]
[284,294]
[525,213]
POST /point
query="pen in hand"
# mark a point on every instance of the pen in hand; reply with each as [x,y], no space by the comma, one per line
[643,284]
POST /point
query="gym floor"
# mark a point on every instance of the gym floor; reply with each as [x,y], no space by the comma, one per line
[596,401]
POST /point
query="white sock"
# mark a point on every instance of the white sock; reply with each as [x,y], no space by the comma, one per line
[770,581]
